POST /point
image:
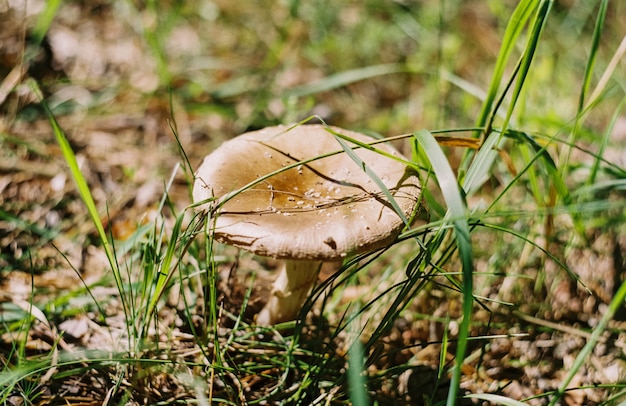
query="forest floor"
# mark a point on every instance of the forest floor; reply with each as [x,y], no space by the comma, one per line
[117,87]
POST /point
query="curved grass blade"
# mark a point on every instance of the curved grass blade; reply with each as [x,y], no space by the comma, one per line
[552,171]
[478,172]
[598,91]
[591,61]
[381,185]
[527,57]
[180,239]
[514,28]
[345,78]
[85,193]
[593,53]
[45,20]
[518,21]
[457,215]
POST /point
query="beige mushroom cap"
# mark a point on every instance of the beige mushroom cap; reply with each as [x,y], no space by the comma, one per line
[322,210]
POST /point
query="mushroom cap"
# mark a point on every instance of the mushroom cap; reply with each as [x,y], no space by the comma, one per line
[322,210]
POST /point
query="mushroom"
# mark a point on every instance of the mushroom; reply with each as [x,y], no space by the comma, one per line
[312,212]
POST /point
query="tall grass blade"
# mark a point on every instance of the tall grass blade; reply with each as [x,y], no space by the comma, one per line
[514,28]
[457,215]
[44,20]
[345,78]
[381,185]
[84,191]
[608,72]
[593,53]
[527,57]
[604,142]
[165,268]
[478,172]
[356,367]
[591,61]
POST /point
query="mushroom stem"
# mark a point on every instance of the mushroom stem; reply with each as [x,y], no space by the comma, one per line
[290,290]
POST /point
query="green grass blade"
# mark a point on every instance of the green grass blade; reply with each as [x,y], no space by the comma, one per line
[356,367]
[45,20]
[45,234]
[527,57]
[381,185]
[552,172]
[519,18]
[477,173]
[164,273]
[591,61]
[457,214]
[345,78]
[604,141]
[521,237]
[600,88]
[595,168]
[593,53]
[83,190]
[518,21]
